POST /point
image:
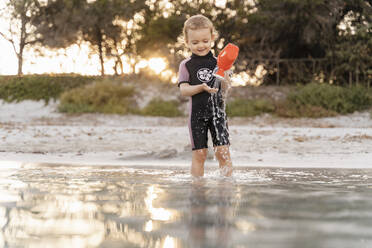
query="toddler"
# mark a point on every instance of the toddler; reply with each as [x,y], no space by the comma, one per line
[207,103]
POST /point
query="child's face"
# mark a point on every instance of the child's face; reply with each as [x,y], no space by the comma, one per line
[199,41]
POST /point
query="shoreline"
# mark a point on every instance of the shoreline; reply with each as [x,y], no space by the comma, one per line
[111,159]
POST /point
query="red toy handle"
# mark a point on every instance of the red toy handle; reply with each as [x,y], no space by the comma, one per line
[226,59]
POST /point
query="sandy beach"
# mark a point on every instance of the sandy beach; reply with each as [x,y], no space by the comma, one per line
[32,132]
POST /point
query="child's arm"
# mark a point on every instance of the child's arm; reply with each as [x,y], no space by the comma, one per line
[190,90]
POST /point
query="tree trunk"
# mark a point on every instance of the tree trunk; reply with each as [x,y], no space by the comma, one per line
[350,79]
[100,51]
[22,42]
[115,67]
[20,63]
[120,63]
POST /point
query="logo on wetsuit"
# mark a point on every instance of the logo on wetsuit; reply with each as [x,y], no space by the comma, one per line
[205,75]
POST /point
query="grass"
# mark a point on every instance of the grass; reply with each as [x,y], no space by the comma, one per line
[38,87]
[160,107]
[100,97]
[321,100]
[247,108]
[118,95]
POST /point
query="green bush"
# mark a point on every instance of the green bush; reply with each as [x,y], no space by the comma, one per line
[246,108]
[101,97]
[159,107]
[38,87]
[287,109]
[319,100]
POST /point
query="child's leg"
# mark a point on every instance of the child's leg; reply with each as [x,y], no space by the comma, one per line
[224,159]
[198,159]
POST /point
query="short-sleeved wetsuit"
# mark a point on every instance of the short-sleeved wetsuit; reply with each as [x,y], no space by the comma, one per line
[206,110]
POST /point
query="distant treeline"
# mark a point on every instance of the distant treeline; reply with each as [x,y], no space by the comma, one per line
[118,95]
[268,32]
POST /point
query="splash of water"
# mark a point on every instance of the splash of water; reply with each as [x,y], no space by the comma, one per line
[218,101]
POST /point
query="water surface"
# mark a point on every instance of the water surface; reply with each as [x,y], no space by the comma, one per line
[45,205]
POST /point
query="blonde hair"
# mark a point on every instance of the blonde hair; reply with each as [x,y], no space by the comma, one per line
[198,22]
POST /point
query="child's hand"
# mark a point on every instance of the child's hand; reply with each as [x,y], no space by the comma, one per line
[209,89]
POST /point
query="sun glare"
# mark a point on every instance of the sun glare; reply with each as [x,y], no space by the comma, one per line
[221,3]
[169,242]
[140,65]
[157,65]
[243,78]
[73,59]
[161,214]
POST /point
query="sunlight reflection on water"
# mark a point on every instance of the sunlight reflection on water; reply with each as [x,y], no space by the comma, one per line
[71,206]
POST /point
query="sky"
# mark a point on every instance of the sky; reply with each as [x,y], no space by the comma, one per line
[8,59]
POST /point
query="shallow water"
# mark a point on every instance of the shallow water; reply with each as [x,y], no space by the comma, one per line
[72,206]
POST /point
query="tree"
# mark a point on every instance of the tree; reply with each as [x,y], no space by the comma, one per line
[352,61]
[20,32]
[58,22]
[297,29]
[350,56]
[162,27]
[65,22]
[158,31]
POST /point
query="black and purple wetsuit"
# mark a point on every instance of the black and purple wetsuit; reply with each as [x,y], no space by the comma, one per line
[206,110]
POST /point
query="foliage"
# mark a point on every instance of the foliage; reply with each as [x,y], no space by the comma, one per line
[318,100]
[294,29]
[100,23]
[265,30]
[79,94]
[58,22]
[107,97]
[158,34]
[160,107]
[247,108]
[352,55]
[38,87]
[161,29]
[288,110]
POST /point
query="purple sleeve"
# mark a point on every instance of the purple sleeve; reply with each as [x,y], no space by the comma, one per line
[183,73]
